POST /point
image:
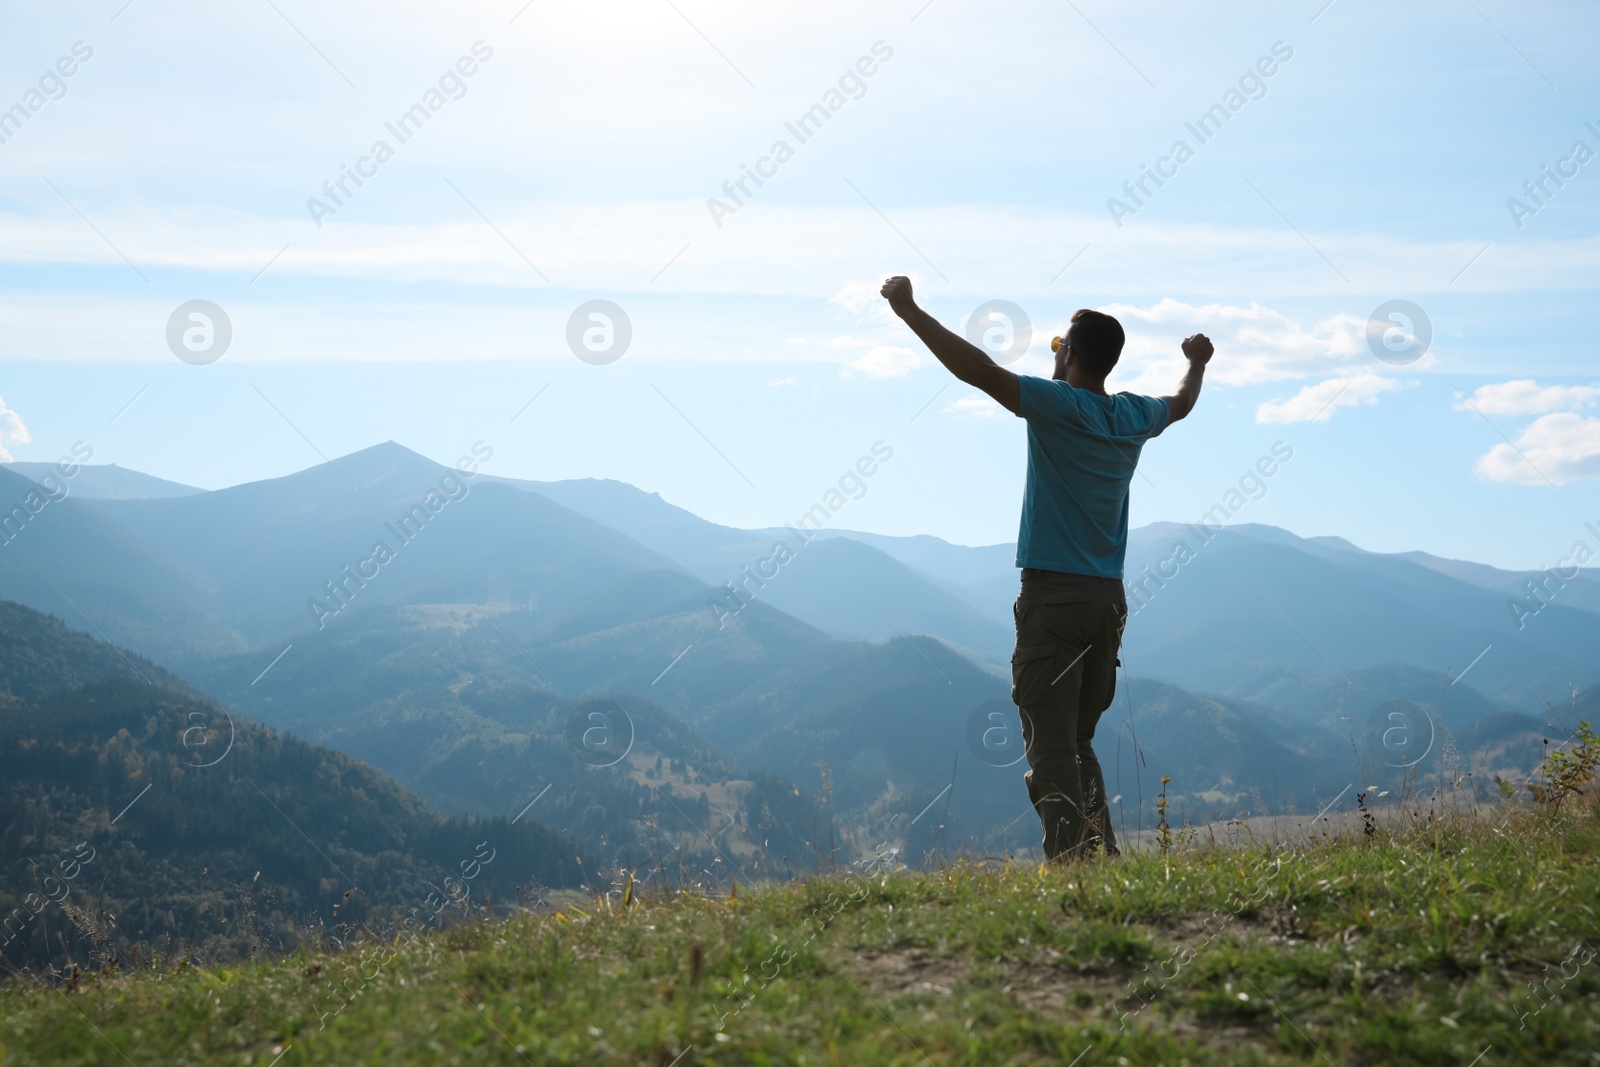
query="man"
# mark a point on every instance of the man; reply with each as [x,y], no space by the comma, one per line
[1083,446]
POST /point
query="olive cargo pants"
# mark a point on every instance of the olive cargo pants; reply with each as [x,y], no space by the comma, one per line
[1063,677]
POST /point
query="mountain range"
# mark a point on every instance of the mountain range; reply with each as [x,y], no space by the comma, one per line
[442,623]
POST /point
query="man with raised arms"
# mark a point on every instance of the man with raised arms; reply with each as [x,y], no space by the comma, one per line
[1083,447]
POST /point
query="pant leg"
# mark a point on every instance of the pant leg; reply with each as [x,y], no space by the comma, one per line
[1063,680]
[1053,641]
[1098,690]
[1055,785]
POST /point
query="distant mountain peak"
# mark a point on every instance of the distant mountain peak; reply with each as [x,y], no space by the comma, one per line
[390,445]
[389,451]
[371,466]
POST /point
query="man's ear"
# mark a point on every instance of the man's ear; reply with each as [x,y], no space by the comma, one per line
[1065,358]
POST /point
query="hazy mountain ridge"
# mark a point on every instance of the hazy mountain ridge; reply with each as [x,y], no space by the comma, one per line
[67,558]
[105,481]
[816,586]
[1323,608]
[272,551]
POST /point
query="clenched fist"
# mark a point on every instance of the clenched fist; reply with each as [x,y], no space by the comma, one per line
[1197,349]
[897,291]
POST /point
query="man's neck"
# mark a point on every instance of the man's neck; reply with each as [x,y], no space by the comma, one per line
[1078,380]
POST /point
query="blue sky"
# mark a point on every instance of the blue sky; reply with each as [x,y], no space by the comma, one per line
[576,161]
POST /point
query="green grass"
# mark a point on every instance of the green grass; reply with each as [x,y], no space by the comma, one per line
[1416,946]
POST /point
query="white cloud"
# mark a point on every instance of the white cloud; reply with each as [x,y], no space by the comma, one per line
[864,298]
[12,431]
[774,249]
[782,383]
[1318,402]
[857,296]
[1557,448]
[1527,397]
[888,361]
[974,407]
[1255,345]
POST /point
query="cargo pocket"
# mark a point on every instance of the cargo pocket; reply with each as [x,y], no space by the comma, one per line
[1030,674]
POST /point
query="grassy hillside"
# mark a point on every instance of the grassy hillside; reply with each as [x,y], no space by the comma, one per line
[1460,938]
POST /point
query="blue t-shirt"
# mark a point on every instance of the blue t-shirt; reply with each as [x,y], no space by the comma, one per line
[1082,450]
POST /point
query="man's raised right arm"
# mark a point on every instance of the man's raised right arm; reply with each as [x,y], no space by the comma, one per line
[960,357]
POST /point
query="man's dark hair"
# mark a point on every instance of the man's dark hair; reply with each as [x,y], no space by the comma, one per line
[1097,339]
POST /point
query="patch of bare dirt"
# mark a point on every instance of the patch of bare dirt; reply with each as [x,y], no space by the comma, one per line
[908,971]
[1040,987]
[1047,988]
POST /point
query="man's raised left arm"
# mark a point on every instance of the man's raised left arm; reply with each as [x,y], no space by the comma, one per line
[1197,350]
